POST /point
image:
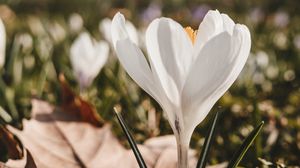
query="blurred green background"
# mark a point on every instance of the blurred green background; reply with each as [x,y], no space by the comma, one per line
[40,33]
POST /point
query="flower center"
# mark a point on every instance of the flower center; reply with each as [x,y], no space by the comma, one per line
[191,33]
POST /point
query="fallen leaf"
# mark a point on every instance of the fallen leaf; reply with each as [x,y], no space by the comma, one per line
[15,149]
[58,139]
[77,106]
[74,136]
[27,162]
[19,156]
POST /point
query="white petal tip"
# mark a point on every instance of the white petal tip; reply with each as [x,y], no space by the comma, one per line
[119,16]
[118,28]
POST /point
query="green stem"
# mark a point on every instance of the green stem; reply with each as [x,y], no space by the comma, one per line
[257,119]
[9,95]
[10,98]
[5,116]
[42,78]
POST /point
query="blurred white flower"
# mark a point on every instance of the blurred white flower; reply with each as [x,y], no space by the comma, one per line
[258,78]
[75,23]
[2,43]
[236,108]
[289,75]
[267,86]
[87,58]
[189,70]
[262,59]
[280,40]
[272,72]
[281,19]
[105,29]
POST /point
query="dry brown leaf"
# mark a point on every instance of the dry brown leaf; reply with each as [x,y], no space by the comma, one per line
[77,106]
[58,139]
[74,135]
[19,156]
[27,162]
[15,149]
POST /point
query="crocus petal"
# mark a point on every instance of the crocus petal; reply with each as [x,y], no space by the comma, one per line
[118,29]
[213,73]
[132,58]
[169,49]
[83,47]
[211,26]
[132,32]
[2,43]
[101,55]
[87,58]
[81,52]
[136,65]
[105,29]
[228,23]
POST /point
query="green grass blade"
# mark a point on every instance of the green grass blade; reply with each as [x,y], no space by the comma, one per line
[131,141]
[5,116]
[208,140]
[239,154]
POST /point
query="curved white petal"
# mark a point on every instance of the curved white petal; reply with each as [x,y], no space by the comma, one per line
[2,43]
[80,50]
[136,65]
[169,49]
[216,68]
[118,29]
[123,29]
[87,58]
[105,29]
[132,58]
[101,54]
[211,26]
[228,23]
[83,47]
[132,32]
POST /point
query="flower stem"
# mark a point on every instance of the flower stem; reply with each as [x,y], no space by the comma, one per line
[43,78]
[182,154]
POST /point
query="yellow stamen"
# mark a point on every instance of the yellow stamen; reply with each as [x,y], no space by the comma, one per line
[191,33]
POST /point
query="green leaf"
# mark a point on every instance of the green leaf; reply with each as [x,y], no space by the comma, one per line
[208,140]
[239,154]
[131,141]
[5,116]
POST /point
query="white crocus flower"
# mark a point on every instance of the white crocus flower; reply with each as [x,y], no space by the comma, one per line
[87,58]
[105,29]
[188,70]
[2,43]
